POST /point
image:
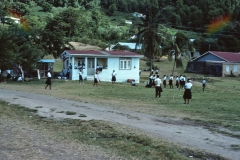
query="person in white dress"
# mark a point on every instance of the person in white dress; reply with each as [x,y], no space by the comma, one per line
[96,79]
[48,81]
[114,76]
[187,93]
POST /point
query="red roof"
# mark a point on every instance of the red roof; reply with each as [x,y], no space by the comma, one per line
[228,56]
[104,53]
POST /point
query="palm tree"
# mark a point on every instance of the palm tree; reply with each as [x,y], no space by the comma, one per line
[181,45]
[149,36]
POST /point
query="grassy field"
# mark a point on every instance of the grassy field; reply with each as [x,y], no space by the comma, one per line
[217,107]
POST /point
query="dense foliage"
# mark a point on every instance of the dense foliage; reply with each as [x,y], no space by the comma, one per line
[51,24]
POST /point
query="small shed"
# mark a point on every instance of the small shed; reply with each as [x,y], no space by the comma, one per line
[44,65]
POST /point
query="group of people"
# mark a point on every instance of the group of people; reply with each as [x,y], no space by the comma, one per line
[181,83]
[97,79]
[187,93]
[153,81]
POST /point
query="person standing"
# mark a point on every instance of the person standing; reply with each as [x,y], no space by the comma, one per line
[48,81]
[187,93]
[177,81]
[153,80]
[114,76]
[158,88]
[203,84]
[80,76]
[181,82]
[8,74]
[184,80]
[150,80]
[171,81]
[96,79]
[164,81]
[68,73]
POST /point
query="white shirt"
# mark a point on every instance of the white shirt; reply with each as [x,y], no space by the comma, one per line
[158,82]
[181,78]
[114,74]
[164,78]
[80,73]
[171,78]
[19,78]
[49,74]
[203,81]
[188,85]
[177,79]
[96,76]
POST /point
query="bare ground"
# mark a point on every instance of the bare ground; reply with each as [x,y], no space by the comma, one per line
[178,131]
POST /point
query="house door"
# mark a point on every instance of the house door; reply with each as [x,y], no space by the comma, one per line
[90,67]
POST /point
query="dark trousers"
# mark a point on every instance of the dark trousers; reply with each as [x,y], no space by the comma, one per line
[158,91]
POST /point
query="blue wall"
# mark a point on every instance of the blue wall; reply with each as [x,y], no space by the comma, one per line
[209,57]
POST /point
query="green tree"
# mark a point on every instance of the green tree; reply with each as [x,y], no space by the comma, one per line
[182,47]
[149,36]
[228,43]
[17,50]
[27,56]
[70,22]
[20,8]
[46,7]
[8,48]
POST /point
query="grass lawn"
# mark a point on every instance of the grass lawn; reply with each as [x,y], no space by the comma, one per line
[219,105]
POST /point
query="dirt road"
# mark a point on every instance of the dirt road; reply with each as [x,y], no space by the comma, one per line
[178,131]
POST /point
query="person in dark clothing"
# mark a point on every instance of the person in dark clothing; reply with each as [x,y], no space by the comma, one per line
[48,81]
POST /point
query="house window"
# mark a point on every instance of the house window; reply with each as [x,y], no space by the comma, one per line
[235,68]
[102,63]
[125,63]
[81,63]
[227,69]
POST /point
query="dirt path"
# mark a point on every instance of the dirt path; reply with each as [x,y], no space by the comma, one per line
[177,131]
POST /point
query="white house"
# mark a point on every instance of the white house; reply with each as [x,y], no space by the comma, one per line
[128,21]
[126,64]
[11,19]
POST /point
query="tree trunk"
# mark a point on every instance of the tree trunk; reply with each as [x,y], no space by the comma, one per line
[175,56]
[20,67]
